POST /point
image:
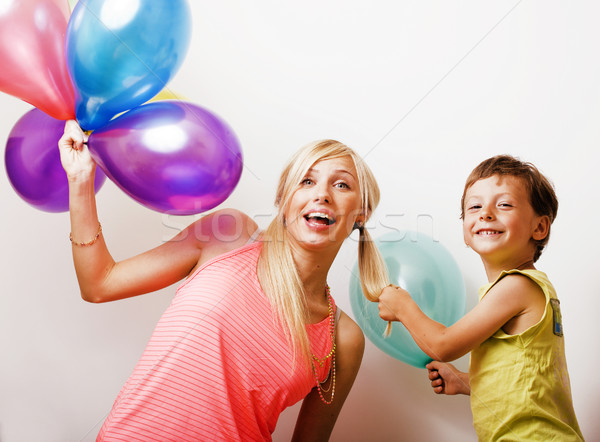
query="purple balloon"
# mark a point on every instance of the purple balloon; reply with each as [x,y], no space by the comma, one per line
[171,156]
[32,161]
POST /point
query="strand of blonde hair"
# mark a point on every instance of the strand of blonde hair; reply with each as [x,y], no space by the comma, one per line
[373,271]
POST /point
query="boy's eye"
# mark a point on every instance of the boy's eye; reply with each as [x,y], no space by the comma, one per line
[505,205]
[474,207]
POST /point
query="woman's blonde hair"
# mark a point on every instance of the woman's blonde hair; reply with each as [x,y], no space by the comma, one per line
[276,269]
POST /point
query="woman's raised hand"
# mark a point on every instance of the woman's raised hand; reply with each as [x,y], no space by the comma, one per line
[74,154]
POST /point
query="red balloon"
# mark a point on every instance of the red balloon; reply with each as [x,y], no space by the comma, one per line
[32,50]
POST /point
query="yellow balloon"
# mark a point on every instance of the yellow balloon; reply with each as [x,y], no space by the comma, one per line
[167,94]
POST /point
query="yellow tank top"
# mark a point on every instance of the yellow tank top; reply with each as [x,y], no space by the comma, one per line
[520,388]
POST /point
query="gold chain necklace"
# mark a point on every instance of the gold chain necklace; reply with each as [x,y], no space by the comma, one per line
[321,361]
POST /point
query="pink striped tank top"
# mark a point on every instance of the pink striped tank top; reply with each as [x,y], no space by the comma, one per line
[218,366]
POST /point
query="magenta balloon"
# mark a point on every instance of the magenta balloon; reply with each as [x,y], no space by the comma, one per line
[33,164]
[32,50]
[170,156]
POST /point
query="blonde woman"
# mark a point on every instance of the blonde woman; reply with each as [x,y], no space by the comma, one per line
[253,328]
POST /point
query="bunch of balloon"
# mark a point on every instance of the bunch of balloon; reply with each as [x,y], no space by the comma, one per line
[170,156]
[424,268]
[33,164]
[173,157]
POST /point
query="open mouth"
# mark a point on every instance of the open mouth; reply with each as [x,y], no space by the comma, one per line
[488,232]
[319,218]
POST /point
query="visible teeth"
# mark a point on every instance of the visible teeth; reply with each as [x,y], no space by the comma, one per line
[322,217]
[319,215]
[487,232]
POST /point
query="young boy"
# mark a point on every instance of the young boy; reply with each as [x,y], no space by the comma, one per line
[518,378]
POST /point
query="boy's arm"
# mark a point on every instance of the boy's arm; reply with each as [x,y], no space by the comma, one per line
[447,379]
[512,296]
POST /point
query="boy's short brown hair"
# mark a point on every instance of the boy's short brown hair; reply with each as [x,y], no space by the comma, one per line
[541,191]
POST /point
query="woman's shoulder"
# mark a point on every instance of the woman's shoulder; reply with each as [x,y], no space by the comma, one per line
[231,225]
[218,233]
[222,231]
[349,334]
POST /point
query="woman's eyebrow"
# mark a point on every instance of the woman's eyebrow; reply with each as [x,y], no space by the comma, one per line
[343,171]
[316,171]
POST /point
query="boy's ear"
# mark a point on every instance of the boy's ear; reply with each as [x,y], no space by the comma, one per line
[541,228]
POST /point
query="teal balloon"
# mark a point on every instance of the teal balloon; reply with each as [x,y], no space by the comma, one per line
[427,270]
[121,53]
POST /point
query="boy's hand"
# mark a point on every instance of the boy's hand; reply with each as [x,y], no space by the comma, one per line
[446,379]
[391,302]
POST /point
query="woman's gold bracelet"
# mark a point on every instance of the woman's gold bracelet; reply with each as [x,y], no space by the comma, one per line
[89,243]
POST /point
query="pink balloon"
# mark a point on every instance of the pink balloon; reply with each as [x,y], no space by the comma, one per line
[32,50]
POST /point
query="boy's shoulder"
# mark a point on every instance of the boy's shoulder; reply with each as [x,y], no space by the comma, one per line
[516,284]
[521,294]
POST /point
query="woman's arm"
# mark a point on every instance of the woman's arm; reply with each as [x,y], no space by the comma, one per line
[101,279]
[514,296]
[317,419]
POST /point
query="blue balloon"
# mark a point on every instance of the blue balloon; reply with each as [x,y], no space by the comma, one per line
[427,270]
[121,53]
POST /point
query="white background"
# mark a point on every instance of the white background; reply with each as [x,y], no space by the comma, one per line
[424,90]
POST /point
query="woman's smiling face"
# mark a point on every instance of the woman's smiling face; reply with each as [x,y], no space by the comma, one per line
[323,209]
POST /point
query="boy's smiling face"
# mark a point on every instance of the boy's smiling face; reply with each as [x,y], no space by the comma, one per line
[500,223]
